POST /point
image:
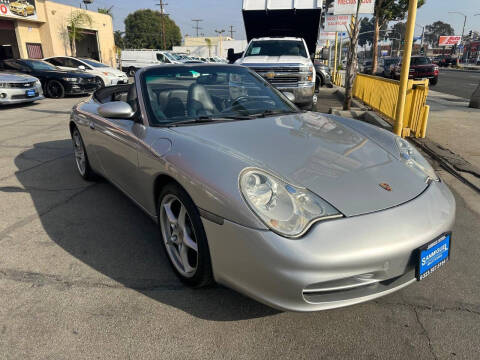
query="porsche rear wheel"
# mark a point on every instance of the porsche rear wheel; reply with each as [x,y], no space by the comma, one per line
[184,238]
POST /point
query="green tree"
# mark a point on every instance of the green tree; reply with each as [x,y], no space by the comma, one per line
[435,30]
[75,22]
[118,38]
[386,11]
[397,34]
[143,30]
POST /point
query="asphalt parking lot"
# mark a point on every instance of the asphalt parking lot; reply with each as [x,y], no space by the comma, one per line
[83,275]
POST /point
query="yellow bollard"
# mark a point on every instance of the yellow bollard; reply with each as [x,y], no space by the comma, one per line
[407,53]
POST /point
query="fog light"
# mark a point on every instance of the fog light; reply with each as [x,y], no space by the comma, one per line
[3,95]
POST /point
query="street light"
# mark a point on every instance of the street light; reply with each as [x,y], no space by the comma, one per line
[463,29]
[220,32]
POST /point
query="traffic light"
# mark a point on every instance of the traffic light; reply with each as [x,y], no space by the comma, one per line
[470,34]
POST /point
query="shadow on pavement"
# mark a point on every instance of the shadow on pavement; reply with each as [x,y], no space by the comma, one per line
[97,224]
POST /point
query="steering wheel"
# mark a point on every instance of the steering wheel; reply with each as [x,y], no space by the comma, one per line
[239,100]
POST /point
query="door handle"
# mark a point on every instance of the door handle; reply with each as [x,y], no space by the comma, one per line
[92,125]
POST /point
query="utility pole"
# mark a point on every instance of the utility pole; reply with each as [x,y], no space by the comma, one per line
[197,27]
[220,32]
[463,29]
[231,31]
[162,19]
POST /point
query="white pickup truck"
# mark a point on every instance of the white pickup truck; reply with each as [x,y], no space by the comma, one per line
[282,40]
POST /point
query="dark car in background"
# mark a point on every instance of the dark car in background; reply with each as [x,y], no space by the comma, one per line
[56,83]
[386,65]
[421,67]
[324,75]
[445,60]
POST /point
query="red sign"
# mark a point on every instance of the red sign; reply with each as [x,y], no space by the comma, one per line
[449,40]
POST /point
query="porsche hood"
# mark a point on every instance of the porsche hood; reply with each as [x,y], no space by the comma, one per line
[347,169]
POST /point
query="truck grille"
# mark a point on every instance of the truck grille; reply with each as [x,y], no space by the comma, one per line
[285,69]
[283,80]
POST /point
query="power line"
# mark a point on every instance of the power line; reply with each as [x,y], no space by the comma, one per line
[197,27]
[162,19]
[231,31]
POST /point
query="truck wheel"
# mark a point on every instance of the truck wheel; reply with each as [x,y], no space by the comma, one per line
[433,81]
[131,71]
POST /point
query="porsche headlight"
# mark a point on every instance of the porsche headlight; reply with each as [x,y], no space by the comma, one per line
[413,159]
[285,209]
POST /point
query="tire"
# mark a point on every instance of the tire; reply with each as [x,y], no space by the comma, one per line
[433,81]
[100,83]
[54,89]
[192,267]
[81,158]
[131,71]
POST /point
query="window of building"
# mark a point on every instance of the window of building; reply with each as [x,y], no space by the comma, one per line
[34,51]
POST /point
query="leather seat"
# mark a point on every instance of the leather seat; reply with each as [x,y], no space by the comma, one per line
[199,101]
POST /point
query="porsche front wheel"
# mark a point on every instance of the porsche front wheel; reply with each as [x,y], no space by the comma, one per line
[184,238]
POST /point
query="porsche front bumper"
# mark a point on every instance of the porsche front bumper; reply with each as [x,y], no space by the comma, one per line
[338,262]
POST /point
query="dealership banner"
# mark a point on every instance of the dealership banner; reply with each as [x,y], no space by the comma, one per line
[349,7]
[20,9]
[449,40]
[337,23]
[326,35]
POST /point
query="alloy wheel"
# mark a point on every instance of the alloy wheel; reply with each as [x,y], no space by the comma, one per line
[178,235]
[79,152]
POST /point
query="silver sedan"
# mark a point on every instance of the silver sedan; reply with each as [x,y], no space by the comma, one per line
[18,88]
[300,210]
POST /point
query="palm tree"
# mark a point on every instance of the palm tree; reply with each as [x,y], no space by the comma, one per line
[106,11]
[209,44]
[76,20]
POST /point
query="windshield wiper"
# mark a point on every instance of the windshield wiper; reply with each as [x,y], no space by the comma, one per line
[206,119]
[272,112]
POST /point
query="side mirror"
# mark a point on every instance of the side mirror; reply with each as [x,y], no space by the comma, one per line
[82,67]
[116,110]
[289,96]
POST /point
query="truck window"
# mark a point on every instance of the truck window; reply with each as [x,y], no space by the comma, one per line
[161,58]
[276,48]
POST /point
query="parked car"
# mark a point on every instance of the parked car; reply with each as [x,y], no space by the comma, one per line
[105,75]
[56,83]
[19,88]
[298,210]
[366,67]
[134,59]
[421,67]
[386,65]
[323,75]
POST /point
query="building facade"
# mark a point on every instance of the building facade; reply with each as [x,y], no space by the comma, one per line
[35,29]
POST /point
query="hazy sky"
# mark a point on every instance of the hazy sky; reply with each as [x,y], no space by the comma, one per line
[220,14]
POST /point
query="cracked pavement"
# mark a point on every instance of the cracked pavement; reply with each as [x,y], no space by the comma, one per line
[82,276]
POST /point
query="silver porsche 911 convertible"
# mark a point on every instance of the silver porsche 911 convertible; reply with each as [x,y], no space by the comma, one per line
[299,210]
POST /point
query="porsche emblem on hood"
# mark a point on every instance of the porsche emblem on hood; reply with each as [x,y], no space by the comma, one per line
[385,186]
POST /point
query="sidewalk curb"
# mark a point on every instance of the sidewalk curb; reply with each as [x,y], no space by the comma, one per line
[461,70]
[455,170]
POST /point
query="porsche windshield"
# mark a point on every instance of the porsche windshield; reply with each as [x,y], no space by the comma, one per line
[179,93]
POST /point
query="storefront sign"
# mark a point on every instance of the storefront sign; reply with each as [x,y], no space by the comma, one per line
[20,9]
[349,7]
[449,40]
[337,23]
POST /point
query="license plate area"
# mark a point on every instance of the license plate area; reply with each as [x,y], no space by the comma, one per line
[30,93]
[433,256]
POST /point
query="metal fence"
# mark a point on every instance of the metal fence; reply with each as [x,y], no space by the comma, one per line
[381,94]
